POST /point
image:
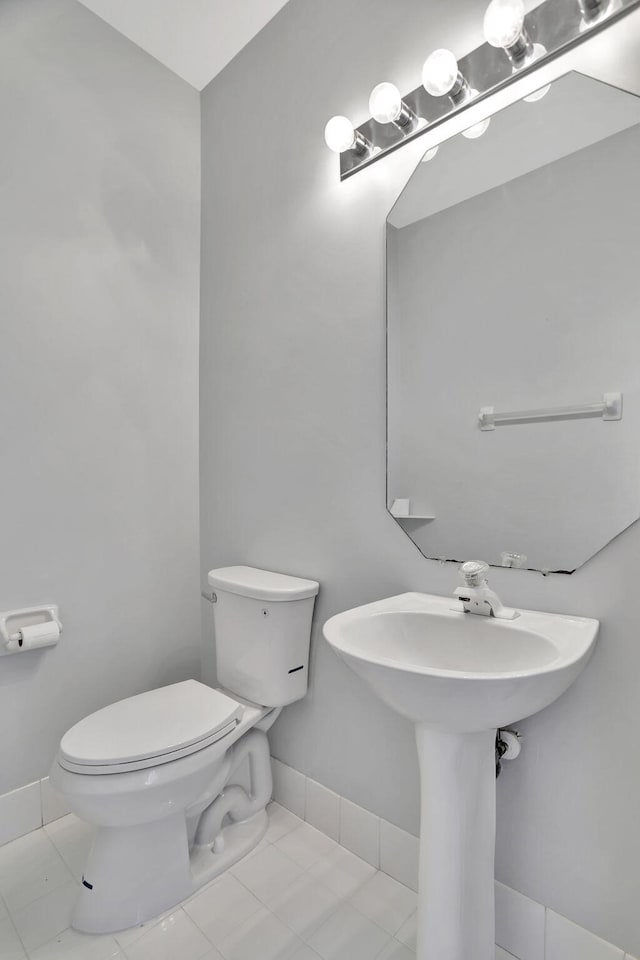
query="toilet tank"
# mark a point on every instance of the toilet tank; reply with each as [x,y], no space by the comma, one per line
[262,629]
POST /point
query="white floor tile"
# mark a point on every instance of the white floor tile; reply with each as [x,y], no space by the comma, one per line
[289,787]
[43,919]
[262,937]
[21,861]
[290,891]
[174,938]
[342,872]
[268,874]
[408,932]
[322,809]
[399,852]
[69,831]
[281,821]
[35,847]
[264,843]
[360,832]
[396,951]
[20,812]
[222,907]
[125,938]
[305,845]
[71,945]
[305,905]
[10,944]
[306,953]
[565,940]
[348,935]
[61,823]
[519,924]
[385,901]
[30,881]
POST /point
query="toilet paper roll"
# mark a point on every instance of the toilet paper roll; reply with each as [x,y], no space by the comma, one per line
[39,635]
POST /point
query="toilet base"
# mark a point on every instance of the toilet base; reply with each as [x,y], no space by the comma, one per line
[134,874]
[238,839]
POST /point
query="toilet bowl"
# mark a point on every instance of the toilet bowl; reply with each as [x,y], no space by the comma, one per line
[159,774]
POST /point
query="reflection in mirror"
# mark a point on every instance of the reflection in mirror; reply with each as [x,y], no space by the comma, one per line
[513,289]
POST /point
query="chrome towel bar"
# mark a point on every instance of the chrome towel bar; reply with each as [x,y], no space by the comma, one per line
[609,408]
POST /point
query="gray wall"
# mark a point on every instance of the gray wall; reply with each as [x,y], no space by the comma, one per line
[99,241]
[293,450]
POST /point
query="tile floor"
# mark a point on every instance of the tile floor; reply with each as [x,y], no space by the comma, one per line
[297,896]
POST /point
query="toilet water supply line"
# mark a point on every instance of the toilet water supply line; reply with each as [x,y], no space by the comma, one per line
[508,747]
[234,799]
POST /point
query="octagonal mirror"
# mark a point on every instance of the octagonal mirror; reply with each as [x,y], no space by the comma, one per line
[513,337]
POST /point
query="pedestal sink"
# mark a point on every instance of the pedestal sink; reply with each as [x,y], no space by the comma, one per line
[459,677]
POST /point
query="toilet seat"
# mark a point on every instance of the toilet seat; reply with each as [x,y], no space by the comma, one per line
[149,729]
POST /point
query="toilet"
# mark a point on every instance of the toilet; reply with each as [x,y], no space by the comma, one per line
[162,776]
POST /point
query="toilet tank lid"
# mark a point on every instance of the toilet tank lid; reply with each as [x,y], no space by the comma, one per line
[262,584]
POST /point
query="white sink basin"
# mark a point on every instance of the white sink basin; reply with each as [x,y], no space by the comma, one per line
[459,676]
[437,665]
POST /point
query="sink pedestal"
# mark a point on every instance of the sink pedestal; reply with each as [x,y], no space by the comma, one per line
[457,844]
[450,671]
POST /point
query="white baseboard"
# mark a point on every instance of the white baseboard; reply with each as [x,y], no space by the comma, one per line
[525,930]
[28,808]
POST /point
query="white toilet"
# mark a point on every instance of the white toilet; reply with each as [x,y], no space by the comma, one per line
[155,773]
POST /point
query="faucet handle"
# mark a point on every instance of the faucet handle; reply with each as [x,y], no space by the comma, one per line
[474,572]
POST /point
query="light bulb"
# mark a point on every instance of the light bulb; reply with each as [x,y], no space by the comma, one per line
[472,133]
[593,11]
[385,103]
[339,134]
[538,94]
[439,73]
[503,22]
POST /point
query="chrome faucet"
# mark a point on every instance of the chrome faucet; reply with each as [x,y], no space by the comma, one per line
[476,596]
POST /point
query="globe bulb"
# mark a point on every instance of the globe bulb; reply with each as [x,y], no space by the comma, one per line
[430,154]
[339,134]
[385,103]
[439,73]
[472,133]
[503,22]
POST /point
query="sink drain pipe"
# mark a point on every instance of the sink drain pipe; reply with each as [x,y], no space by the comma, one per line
[234,799]
[507,747]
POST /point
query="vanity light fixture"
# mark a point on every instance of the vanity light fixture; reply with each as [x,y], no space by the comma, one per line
[518,43]
[341,135]
[387,106]
[504,27]
[441,77]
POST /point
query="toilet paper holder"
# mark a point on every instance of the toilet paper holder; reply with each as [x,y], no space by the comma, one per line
[13,622]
